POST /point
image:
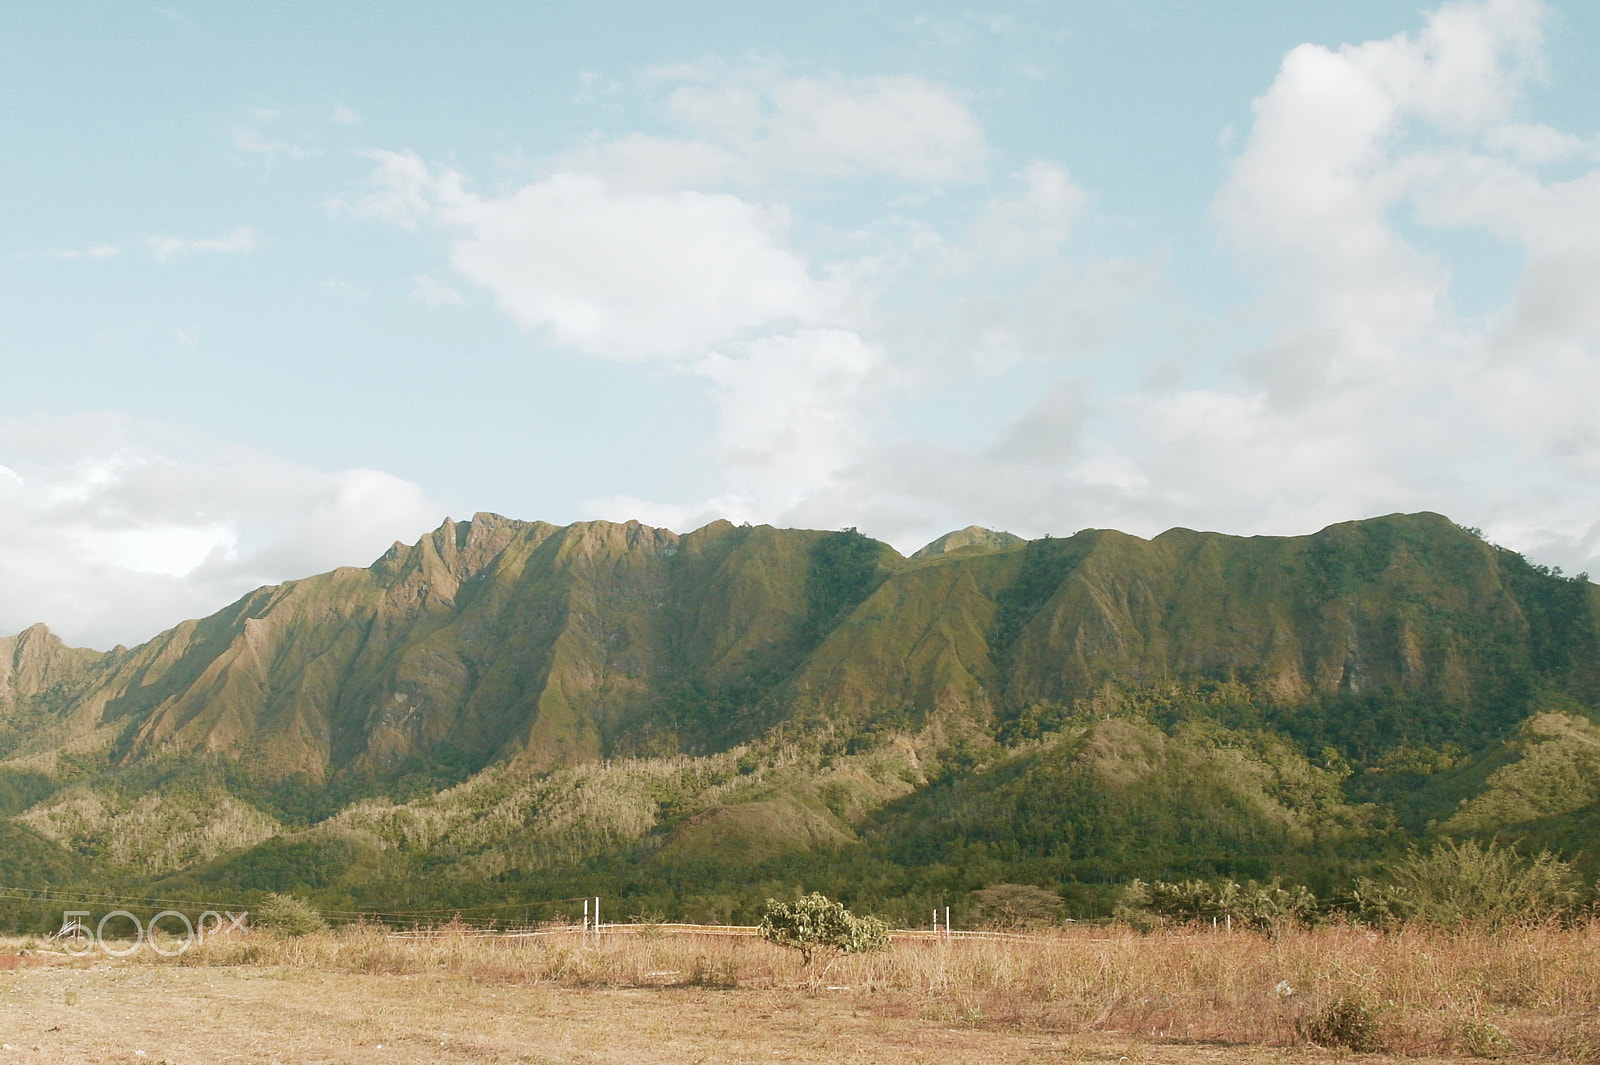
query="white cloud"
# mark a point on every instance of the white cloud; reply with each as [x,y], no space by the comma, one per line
[242,239]
[112,528]
[345,116]
[632,247]
[1031,226]
[432,292]
[794,413]
[1353,384]
[173,550]
[93,251]
[904,127]
[649,163]
[630,275]
[620,274]
[1051,432]
[792,410]
[1535,144]
[399,192]
[1373,392]
[248,137]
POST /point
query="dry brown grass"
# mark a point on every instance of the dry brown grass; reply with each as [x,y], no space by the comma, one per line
[1167,994]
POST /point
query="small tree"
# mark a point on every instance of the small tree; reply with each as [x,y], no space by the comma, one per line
[1016,907]
[287,916]
[815,922]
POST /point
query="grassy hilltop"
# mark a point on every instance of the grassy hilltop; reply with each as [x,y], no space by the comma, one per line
[506,712]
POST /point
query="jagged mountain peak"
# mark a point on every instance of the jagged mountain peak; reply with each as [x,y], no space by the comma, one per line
[36,660]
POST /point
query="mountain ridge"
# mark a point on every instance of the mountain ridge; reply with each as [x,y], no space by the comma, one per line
[504,695]
[554,644]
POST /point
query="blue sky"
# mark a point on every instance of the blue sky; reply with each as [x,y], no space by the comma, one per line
[281,284]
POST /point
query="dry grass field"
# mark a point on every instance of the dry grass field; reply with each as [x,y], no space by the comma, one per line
[652,995]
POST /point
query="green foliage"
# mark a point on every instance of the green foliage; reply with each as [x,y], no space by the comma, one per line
[1346,1022]
[1115,799]
[1422,761]
[1015,907]
[815,922]
[286,915]
[20,790]
[285,864]
[1555,770]
[1485,1040]
[1340,558]
[1469,884]
[843,567]
[1045,564]
[30,860]
[1561,621]
[1265,907]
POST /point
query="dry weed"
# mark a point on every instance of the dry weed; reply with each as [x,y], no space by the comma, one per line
[1433,992]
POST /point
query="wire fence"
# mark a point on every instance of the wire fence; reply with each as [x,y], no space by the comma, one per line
[481,921]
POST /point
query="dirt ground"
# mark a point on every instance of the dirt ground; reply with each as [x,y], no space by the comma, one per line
[112,1012]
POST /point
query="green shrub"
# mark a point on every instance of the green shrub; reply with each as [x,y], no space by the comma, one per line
[1345,1022]
[1464,884]
[1264,907]
[1485,1040]
[286,915]
[815,922]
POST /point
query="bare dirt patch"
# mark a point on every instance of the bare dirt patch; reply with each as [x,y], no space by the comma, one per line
[183,1015]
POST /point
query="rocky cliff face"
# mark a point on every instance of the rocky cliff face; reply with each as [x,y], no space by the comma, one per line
[41,679]
[503,640]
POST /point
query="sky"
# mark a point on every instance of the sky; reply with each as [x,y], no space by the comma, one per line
[281,284]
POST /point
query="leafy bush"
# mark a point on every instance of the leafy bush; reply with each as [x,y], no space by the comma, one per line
[815,922]
[1485,1040]
[1345,1022]
[1013,907]
[287,916]
[1264,907]
[1466,884]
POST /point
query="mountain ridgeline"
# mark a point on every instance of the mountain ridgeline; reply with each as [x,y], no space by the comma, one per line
[498,650]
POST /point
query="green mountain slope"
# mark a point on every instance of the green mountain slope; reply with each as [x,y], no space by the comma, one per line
[504,700]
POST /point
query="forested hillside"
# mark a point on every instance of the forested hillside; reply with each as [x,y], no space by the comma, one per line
[506,712]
